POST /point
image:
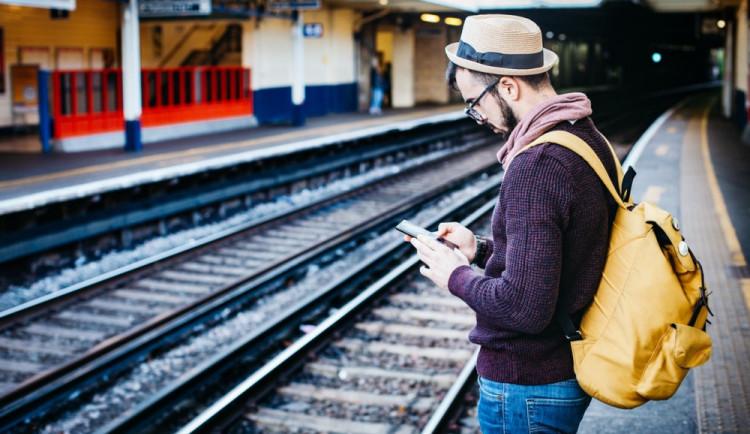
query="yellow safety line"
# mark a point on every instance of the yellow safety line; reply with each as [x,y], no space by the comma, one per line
[746,290]
[319,131]
[730,235]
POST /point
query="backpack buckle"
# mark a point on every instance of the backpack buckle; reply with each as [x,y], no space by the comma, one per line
[575,336]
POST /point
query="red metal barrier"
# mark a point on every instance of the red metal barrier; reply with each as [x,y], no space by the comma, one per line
[90,101]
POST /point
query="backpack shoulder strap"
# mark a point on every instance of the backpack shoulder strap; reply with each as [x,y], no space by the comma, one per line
[577,145]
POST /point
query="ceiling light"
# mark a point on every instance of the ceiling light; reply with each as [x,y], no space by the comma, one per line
[383,2]
[453,21]
[721,24]
[429,18]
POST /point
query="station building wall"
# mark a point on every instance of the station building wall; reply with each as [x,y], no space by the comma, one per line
[330,73]
[31,36]
[418,63]
[330,63]
[402,88]
[429,65]
[330,81]
[168,43]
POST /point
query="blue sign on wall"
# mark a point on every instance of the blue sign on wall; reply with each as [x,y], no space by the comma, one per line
[312,30]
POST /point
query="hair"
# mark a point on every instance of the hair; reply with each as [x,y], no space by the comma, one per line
[536,81]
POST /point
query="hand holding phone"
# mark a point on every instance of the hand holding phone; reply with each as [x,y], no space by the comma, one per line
[413,230]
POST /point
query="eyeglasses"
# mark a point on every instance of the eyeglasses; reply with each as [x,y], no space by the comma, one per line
[469,110]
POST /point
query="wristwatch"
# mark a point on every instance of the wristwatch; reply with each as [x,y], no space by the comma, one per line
[481,251]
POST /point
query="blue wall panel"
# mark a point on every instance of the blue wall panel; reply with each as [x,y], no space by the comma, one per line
[274,105]
[317,100]
[344,98]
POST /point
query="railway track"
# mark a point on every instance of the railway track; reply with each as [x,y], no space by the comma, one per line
[55,237]
[395,359]
[46,347]
[384,375]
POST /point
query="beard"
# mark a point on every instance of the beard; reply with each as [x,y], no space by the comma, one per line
[509,119]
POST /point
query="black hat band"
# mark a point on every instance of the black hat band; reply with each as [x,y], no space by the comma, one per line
[500,60]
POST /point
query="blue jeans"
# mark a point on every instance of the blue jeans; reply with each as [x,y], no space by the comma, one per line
[377,98]
[549,408]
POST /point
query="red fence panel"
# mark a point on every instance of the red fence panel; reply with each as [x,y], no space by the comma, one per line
[90,101]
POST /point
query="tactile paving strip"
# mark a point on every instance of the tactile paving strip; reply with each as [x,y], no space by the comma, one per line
[722,386]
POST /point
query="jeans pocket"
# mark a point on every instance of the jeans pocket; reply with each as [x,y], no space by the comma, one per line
[490,389]
[556,414]
[490,408]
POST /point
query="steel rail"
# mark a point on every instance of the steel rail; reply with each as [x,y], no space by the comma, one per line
[110,279]
[225,409]
[48,236]
[41,304]
[39,395]
[134,421]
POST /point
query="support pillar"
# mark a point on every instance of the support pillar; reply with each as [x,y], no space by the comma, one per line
[741,76]
[131,76]
[727,95]
[298,80]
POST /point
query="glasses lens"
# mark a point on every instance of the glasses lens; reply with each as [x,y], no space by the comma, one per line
[473,114]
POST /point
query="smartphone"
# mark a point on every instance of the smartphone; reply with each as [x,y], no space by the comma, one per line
[413,230]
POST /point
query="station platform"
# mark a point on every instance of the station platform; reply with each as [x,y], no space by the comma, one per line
[693,163]
[31,180]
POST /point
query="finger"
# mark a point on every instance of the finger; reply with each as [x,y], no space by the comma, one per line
[426,272]
[425,255]
[421,245]
[432,243]
[407,238]
[444,229]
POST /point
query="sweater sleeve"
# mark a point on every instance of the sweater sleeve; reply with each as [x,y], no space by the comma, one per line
[536,200]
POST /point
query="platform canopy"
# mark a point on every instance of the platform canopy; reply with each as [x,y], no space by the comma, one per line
[48,4]
[690,5]
[479,6]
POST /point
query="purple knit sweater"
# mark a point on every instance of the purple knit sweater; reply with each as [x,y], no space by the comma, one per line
[550,231]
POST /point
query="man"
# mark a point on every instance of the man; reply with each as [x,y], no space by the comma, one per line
[376,81]
[550,229]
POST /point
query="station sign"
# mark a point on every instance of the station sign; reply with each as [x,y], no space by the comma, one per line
[46,4]
[294,4]
[173,8]
[312,30]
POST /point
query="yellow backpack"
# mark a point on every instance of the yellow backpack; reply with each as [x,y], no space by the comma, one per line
[645,328]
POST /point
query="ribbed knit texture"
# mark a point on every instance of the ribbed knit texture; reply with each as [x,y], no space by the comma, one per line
[550,231]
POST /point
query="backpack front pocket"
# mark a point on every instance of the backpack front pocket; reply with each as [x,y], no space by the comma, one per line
[682,347]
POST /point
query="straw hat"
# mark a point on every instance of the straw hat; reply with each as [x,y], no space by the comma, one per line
[502,45]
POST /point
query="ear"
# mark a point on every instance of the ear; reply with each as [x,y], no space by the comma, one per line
[510,88]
